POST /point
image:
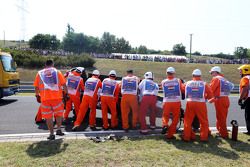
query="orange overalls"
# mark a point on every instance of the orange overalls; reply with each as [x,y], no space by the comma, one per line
[49,81]
[196,93]
[172,89]
[39,117]
[245,82]
[221,89]
[129,88]
[74,84]
[109,98]
[89,100]
[149,90]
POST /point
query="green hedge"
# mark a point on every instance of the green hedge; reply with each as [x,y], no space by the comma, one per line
[28,59]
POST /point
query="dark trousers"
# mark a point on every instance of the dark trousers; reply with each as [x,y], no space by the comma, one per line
[247,114]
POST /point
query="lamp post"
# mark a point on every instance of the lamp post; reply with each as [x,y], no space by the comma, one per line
[190,45]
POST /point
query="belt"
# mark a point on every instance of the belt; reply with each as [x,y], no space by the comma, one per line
[149,95]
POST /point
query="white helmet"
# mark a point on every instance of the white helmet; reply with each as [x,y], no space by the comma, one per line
[112,72]
[197,72]
[215,69]
[80,69]
[148,75]
[96,72]
[170,70]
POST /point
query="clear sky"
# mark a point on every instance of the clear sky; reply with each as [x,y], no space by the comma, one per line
[217,25]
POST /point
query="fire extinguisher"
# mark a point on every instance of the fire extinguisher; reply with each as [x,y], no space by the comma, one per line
[235,125]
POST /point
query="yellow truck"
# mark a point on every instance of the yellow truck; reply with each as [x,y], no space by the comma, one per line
[9,77]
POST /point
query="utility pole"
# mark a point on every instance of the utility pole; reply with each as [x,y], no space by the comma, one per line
[190,45]
[3,38]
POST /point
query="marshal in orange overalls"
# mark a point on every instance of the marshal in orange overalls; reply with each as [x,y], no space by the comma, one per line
[196,93]
[74,84]
[49,82]
[221,89]
[89,100]
[109,98]
[172,88]
[129,88]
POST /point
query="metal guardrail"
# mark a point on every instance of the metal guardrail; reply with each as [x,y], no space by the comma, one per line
[27,87]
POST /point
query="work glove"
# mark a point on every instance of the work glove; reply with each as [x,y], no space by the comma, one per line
[240,102]
[66,97]
[38,98]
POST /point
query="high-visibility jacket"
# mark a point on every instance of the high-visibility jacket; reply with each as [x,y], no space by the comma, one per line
[49,81]
[74,84]
[197,90]
[172,89]
[92,85]
[129,85]
[245,81]
[148,87]
[221,86]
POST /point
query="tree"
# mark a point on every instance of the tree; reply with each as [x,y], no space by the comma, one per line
[121,46]
[179,49]
[44,41]
[241,52]
[142,49]
[197,53]
[107,42]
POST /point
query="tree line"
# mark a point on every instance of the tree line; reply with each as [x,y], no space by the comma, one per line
[81,43]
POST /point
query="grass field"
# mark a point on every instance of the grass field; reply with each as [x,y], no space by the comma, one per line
[183,70]
[144,151]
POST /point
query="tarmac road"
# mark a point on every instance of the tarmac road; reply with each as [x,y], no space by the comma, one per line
[17,115]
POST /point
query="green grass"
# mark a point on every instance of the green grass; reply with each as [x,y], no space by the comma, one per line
[144,151]
[9,43]
[183,70]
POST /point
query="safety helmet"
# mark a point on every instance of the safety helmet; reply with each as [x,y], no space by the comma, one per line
[112,72]
[197,72]
[80,69]
[96,72]
[215,69]
[149,75]
[245,69]
[170,70]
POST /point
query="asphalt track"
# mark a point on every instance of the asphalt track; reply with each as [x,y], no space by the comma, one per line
[17,115]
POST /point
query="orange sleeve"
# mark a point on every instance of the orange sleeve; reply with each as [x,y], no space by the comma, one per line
[100,84]
[37,80]
[61,78]
[117,91]
[244,82]
[215,86]
[82,84]
[208,92]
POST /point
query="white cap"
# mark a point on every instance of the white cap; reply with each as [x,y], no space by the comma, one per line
[170,70]
[197,72]
[215,69]
[96,72]
[112,72]
[148,75]
[79,69]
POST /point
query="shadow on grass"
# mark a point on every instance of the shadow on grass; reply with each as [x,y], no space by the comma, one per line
[46,148]
[211,147]
[240,145]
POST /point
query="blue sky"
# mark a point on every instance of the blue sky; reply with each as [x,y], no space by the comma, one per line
[217,25]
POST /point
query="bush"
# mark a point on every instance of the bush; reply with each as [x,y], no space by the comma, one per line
[29,59]
[83,60]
